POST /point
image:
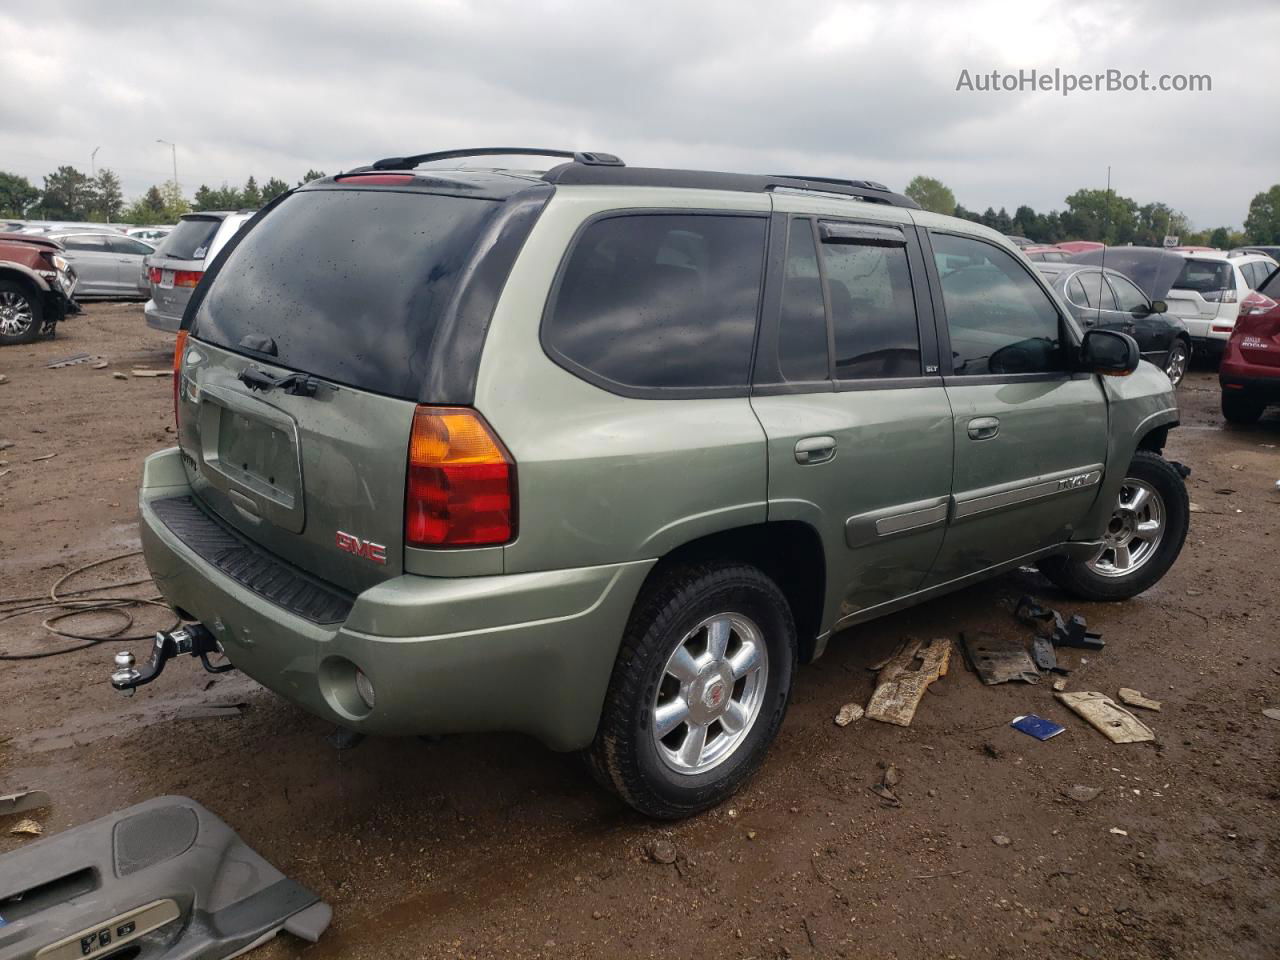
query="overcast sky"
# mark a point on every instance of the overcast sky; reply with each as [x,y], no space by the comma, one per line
[838,89]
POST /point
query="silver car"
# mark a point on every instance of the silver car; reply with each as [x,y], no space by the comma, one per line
[179,263]
[109,264]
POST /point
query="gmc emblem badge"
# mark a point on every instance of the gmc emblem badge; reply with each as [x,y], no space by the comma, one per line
[365,549]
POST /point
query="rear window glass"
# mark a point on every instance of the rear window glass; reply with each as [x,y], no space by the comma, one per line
[661,300]
[1271,286]
[1205,276]
[873,312]
[190,239]
[349,284]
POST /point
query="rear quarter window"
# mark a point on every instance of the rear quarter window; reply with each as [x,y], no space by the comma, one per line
[653,303]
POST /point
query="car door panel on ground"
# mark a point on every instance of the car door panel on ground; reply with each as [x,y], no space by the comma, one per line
[859,434]
[1030,437]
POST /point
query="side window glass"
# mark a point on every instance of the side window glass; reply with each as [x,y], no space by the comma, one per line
[999,319]
[873,310]
[1075,292]
[802,325]
[88,242]
[661,300]
[1097,295]
[1128,297]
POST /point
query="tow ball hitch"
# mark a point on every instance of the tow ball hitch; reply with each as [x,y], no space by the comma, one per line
[192,639]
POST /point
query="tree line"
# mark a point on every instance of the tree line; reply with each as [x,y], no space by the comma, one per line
[1108,217]
[71,194]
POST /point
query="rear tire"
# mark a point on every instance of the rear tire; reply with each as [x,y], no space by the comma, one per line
[1144,538]
[21,313]
[1177,360]
[708,648]
[1238,409]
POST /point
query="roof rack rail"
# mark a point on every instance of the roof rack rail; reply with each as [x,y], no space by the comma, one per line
[861,184]
[580,174]
[589,158]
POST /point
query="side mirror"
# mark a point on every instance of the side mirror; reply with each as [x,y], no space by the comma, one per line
[1159,306]
[1109,352]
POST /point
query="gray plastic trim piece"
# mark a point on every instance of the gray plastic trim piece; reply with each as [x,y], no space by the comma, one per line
[165,877]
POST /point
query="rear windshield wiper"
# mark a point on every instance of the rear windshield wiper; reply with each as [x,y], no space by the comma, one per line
[297,384]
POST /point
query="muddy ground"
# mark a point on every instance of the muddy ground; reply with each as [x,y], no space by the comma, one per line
[493,847]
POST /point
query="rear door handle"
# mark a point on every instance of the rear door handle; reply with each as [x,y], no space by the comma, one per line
[983,428]
[815,449]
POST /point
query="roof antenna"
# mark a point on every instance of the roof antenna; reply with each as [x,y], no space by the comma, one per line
[1106,220]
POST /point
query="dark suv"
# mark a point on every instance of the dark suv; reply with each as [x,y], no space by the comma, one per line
[36,286]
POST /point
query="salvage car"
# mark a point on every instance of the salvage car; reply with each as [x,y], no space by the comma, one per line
[1118,303]
[37,284]
[108,263]
[176,267]
[599,454]
[1250,371]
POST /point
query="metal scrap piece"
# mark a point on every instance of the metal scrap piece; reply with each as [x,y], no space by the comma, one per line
[902,684]
[999,660]
[1107,717]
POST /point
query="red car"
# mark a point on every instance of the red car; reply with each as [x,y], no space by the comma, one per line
[36,285]
[1250,370]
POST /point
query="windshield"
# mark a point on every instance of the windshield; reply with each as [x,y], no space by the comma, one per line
[190,239]
[348,284]
[1205,276]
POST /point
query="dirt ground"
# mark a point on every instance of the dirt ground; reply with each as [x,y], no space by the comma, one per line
[494,847]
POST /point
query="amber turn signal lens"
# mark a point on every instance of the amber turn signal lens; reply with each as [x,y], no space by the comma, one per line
[460,489]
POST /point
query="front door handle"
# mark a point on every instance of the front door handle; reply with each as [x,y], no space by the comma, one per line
[983,428]
[815,449]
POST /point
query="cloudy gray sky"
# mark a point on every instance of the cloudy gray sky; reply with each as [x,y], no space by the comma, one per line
[863,89]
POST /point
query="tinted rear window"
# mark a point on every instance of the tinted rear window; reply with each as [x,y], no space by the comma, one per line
[190,239]
[661,301]
[1205,276]
[350,284]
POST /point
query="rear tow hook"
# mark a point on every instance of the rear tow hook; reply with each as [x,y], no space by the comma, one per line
[191,639]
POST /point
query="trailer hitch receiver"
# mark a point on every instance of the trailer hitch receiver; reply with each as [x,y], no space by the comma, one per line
[192,639]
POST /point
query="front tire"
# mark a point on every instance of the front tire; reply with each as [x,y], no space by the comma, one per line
[699,689]
[1144,536]
[1241,409]
[21,314]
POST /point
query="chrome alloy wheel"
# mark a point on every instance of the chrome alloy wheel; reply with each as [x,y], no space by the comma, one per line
[16,315]
[1175,367]
[710,693]
[1134,533]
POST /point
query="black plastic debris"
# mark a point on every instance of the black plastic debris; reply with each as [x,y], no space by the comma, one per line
[1050,625]
[162,880]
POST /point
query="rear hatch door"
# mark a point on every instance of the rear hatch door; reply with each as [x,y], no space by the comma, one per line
[180,255]
[304,366]
[1197,293]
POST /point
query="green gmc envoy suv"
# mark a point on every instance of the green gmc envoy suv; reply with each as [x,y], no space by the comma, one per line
[599,454]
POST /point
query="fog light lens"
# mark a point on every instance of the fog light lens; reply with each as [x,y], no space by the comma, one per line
[364,687]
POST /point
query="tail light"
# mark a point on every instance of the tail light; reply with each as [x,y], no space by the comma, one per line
[1256,303]
[1259,317]
[1219,296]
[179,346]
[461,484]
[153,274]
[187,278]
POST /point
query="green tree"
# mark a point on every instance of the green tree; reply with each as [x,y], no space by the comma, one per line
[251,196]
[1220,237]
[1262,225]
[108,199]
[67,195]
[932,194]
[175,204]
[147,209]
[17,195]
[273,188]
[1155,221]
[219,198]
[311,175]
[1101,215]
